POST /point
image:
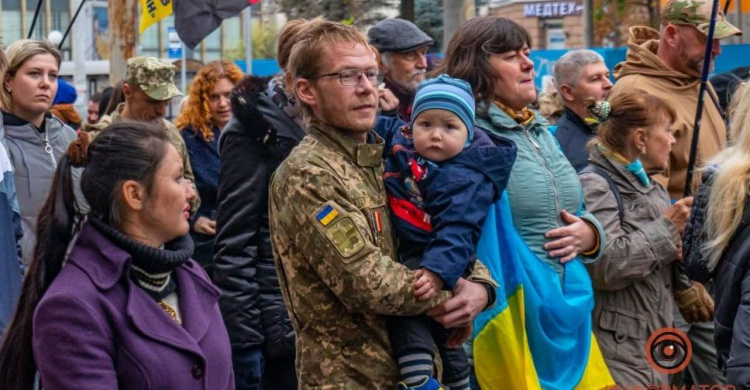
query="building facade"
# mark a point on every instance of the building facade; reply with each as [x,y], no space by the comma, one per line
[16,18]
[559,24]
[551,24]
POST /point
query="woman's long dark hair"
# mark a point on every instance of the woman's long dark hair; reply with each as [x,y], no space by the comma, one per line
[123,151]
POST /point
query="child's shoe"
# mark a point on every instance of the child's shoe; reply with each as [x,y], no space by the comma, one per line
[428,384]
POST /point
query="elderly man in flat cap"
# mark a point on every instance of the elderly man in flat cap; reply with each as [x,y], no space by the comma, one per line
[403,48]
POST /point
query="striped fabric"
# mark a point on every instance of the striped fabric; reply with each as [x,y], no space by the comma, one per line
[446,93]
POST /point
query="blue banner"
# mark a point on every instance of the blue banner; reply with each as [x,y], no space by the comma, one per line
[732,56]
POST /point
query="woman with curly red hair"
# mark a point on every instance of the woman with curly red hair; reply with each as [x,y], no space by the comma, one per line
[207,110]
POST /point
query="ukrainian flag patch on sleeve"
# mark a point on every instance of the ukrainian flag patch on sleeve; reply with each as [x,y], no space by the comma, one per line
[327,215]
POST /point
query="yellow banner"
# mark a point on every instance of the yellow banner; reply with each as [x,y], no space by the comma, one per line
[153,11]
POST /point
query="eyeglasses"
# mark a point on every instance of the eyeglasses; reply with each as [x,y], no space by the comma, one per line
[352,77]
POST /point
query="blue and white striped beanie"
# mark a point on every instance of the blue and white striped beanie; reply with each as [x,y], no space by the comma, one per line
[446,93]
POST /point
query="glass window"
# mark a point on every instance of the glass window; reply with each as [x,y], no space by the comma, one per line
[10,23]
[39,26]
[213,46]
[149,53]
[60,21]
[101,32]
[212,55]
[234,43]
[149,41]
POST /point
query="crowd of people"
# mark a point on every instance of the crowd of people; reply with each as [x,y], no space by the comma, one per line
[328,227]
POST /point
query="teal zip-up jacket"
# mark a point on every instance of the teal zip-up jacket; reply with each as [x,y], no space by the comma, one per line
[542,182]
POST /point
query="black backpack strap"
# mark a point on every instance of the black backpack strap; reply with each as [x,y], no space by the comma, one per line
[612,186]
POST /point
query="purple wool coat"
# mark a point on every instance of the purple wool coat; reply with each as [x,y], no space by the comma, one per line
[96,329]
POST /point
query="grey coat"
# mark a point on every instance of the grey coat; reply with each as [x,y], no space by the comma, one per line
[34,168]
[635,277]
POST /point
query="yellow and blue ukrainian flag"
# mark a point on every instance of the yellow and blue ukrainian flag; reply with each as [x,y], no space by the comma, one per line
[538,335]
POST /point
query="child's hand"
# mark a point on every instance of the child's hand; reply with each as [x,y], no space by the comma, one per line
[427,285]
[459,336]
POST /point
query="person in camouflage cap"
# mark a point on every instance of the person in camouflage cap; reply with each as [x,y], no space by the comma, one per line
[148,89]
[697,13]
[153,76]
[330,228]
[668,64]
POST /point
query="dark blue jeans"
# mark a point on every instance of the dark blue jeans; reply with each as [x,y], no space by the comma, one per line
[248,369]
[253,372]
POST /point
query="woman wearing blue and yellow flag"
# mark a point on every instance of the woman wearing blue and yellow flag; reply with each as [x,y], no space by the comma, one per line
[537,238]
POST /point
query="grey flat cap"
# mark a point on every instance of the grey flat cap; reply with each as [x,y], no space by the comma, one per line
[397,35]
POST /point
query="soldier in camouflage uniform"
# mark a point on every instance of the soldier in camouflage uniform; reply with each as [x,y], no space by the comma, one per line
[149,86]
[668,64]
[331,231]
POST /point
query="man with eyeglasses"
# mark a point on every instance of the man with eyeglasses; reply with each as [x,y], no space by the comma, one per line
[330,227]
[403,58]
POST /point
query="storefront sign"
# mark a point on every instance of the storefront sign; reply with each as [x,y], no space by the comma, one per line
[555,9]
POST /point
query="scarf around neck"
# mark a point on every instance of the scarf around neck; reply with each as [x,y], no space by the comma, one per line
[635,167]
[523,117]
[152,267]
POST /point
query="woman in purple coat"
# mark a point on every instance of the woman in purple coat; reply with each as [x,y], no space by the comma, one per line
[123,306]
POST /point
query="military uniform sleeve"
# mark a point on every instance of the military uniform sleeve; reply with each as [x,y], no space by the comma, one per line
[481,274]
[93,130]
[315,210]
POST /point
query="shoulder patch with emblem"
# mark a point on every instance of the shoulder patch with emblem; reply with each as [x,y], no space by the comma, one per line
[345,237]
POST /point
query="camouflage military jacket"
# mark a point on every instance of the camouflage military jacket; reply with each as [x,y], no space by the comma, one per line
[333,247]
[174,136]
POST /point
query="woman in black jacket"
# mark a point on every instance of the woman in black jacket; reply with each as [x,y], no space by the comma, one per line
[727,249]
[265,127]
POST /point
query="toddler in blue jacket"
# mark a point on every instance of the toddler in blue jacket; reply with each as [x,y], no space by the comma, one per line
[441,175]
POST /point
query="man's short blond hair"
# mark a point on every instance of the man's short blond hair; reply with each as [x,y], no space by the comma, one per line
[308,53]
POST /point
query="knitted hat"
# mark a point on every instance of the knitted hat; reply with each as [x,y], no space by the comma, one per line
[66,93]
[446,93]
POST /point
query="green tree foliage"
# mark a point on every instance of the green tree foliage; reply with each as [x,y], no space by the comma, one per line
[428,16]
[357,12]
[264,43]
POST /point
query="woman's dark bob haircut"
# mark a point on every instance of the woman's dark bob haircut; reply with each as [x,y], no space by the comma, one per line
[468,53]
